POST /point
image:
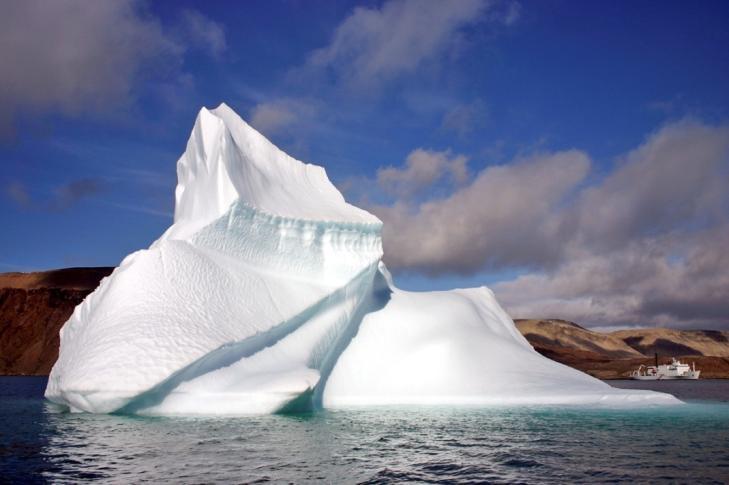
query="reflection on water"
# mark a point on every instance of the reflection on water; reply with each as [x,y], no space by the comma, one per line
[683,443]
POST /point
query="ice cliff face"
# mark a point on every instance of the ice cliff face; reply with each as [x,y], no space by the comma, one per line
[268,294]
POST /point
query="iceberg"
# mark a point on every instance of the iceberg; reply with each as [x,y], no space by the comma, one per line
[268,294]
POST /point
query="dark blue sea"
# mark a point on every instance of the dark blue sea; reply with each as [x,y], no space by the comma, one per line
[677,444]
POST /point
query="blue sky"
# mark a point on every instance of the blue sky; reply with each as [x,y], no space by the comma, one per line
[596,130]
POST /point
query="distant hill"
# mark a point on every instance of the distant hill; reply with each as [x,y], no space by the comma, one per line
[613,355]
[562,335]
[34,307]
[667,341]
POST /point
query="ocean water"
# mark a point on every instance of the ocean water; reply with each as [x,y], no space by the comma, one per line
[683,444]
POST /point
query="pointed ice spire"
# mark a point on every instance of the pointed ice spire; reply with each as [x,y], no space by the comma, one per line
[227,160]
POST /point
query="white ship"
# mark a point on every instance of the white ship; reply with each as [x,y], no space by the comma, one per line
[674,370]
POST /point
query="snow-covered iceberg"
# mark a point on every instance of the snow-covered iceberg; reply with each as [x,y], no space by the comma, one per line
[268,294]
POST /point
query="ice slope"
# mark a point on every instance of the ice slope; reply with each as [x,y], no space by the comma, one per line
[457,347]
[268,294]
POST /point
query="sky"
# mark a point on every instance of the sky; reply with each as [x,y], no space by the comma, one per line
[573,156]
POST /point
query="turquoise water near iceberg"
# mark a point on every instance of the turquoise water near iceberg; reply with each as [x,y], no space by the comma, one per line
[685,444]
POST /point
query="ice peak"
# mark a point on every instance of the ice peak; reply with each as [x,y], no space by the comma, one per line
[227,160]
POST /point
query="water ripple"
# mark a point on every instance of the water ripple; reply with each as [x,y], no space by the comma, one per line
[497,445]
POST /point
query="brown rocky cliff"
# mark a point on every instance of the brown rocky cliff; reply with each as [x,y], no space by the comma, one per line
[33,308]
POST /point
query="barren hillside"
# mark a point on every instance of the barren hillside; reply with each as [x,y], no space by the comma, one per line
[667,341]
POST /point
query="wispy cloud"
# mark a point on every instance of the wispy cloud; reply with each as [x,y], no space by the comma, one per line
[18,193]
[511,13]
[68,194]
[375,45]
[141,177]
[141,209]
[462,119]
[60,198]
[274,115]
[202,31]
